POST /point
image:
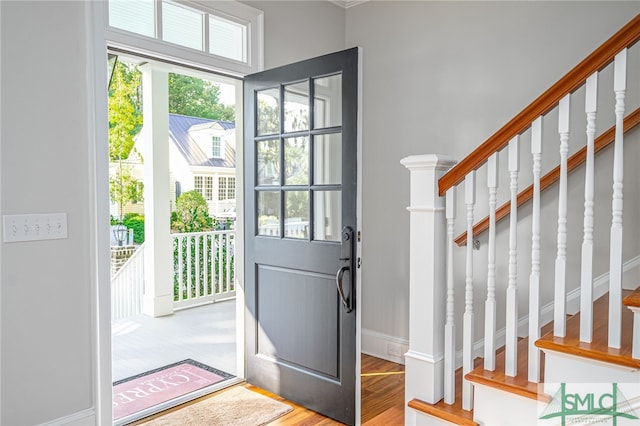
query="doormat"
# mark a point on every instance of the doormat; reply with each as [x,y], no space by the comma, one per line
[163,384]
[237,406]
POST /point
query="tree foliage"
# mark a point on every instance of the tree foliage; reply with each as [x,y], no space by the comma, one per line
[124,188]
[125,110]
[197,98]
[191,214]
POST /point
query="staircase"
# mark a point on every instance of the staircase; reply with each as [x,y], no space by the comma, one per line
[555,337]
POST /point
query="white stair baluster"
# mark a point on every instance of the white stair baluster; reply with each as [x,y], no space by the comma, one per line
[615,265]
[511,332]
[449,327]
[490,303]
[534,278]
[468,319]
[586,276]
[560,297]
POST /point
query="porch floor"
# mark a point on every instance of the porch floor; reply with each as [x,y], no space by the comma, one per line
[206,334]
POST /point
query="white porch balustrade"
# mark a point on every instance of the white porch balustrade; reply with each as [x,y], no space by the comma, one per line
[203,265]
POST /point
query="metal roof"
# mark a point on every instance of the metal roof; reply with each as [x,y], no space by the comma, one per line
[179,126]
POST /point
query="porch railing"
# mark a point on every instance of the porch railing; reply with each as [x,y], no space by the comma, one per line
[127,287]
[203,272]
[203,267]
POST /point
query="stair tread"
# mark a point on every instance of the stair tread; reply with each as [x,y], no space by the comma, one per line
[451,413]
[598,349]
[519,384]
[633,300]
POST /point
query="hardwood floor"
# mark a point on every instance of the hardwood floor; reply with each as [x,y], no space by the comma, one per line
[382,398]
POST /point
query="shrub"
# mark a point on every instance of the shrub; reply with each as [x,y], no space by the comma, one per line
[135,222]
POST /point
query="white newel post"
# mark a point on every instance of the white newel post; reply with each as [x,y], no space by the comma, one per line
[158,286]
[424,362]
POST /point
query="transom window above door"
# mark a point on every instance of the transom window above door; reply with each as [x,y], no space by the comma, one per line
[228,30]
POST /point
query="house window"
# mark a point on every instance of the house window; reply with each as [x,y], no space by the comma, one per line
[226,188]
[231,31]
[197,184]
[208,188]
[216,147]
[204,186]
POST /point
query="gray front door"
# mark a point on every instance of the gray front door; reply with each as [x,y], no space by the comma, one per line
[300,185]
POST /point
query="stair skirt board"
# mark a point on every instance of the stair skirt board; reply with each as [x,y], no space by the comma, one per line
[497,407]
[631,280]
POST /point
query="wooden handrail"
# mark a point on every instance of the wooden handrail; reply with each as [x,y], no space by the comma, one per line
[631,121]
[601,57]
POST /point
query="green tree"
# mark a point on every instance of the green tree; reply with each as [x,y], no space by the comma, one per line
[125,122]
[124,188]
[191,214]
[197,98]
[125,112]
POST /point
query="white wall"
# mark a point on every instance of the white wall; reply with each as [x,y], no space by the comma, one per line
[46,285]
[297,30]
[440,77]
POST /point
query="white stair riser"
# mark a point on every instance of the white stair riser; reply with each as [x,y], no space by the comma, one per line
[417,418]
[563,368]
[499,408]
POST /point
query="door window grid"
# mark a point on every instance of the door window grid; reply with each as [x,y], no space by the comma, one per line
[320,185]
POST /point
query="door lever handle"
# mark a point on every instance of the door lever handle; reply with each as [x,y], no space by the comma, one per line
[339,276]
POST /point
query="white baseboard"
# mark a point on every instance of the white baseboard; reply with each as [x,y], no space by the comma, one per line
[81,418]
[384,346]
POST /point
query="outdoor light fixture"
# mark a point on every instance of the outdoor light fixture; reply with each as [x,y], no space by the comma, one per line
[120,233]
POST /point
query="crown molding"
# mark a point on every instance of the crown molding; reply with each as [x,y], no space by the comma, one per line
[348,3]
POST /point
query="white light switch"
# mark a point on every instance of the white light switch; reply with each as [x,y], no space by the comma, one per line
[34,227]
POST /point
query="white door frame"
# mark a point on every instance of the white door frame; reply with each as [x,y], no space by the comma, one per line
[97,125]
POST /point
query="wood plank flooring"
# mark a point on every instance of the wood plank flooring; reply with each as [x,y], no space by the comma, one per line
[382,398]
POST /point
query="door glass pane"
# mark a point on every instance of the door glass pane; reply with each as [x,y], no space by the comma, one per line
[269,213]
[227,38]
[296,216]
[327,101]
[268,155]
[135,16]
[268,119]
[296,107]
[296,161]
[327,159]
[327,209]
[181,25]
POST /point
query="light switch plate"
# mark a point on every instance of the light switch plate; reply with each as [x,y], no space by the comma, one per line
[34,227]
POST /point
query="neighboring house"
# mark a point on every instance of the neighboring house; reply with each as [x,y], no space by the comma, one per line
[202,156]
